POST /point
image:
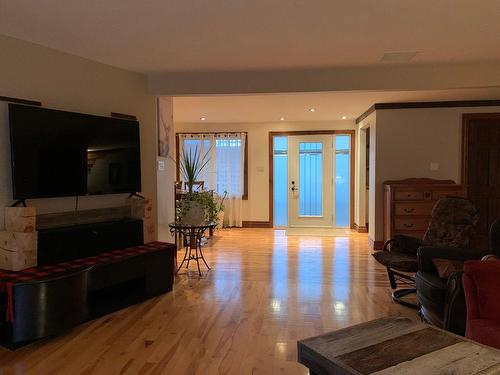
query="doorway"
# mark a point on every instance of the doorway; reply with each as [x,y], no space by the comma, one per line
[311,179]
[481,169]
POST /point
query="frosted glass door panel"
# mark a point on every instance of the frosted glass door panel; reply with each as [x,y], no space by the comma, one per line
[310,179]
[342,179]
[280,181]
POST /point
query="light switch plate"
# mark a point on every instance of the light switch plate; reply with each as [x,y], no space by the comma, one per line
[161,165]
[434,166]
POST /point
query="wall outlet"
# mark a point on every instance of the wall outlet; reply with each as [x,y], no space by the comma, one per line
[161,165]
[434,166]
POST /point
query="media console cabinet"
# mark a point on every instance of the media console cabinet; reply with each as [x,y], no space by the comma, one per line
[84,271]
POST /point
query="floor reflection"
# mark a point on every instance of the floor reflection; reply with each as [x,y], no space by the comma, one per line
[265,291]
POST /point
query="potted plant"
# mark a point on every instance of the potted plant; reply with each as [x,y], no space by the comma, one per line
[191,165]
[196,207]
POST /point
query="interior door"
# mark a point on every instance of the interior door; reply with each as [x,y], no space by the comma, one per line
[482,169]
[310,181]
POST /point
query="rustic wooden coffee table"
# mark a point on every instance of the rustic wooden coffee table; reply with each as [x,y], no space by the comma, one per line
[396,345]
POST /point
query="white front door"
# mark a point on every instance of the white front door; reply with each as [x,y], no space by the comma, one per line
[310,181]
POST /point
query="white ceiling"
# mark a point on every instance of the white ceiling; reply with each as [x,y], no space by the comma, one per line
[172,35]
[295,107]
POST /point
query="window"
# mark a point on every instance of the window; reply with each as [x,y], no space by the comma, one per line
[280,181]
[228,162]
[342,179]
[227,170]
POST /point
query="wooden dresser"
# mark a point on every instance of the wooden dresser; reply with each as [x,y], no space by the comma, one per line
[408,204]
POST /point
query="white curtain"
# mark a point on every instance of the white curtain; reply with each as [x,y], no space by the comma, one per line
[225,169]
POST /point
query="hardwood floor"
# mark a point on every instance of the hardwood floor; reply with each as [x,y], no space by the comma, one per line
[264,292]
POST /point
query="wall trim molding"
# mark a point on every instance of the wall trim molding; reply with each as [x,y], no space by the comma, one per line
[20,101]
[257,224]
[375,245]
[437,104]
[123,116]
[360,228]
[365,114]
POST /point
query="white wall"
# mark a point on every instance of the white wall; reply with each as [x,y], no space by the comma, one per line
[68,82]
[403,144]
[256,208]
[166,177]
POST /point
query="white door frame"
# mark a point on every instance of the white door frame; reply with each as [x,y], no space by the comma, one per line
[273,134]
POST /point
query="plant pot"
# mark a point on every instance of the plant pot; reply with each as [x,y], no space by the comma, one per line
[194,215]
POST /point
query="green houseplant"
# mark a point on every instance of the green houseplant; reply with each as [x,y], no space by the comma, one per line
[192,165]
[196,207]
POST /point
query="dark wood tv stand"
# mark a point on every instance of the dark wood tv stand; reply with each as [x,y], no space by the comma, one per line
[106,287]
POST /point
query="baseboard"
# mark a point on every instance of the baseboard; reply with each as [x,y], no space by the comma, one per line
[375,245]
[360,229]
[257,224]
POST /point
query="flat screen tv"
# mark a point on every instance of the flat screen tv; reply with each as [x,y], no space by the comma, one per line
[57,153]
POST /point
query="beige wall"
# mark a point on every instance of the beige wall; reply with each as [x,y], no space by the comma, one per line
[369,122]
[166,176]
[376,78]
[68,82]
[256,208]
[406,141]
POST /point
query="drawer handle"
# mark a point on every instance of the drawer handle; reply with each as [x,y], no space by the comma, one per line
[408,225]
[408,195]
[409,210]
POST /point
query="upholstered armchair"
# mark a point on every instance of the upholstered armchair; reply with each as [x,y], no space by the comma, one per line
[439,282]
[481,281]
[451,226]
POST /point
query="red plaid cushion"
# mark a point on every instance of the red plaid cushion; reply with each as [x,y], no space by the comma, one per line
[8,278]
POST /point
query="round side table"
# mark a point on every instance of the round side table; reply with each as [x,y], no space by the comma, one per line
[192,236]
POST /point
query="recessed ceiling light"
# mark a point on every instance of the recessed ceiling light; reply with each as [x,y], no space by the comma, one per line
[344,117]
[282,119]
[312,109]
[203,118]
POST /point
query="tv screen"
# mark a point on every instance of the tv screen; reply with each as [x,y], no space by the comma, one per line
[57,153]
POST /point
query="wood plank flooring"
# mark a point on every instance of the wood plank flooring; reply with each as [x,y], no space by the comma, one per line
[264,292]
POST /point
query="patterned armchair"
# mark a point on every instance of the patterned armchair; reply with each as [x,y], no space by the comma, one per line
[451,226]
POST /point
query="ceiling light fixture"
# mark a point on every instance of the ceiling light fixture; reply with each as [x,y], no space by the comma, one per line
[344,117]
[203,118]
[312,109]
[282,119]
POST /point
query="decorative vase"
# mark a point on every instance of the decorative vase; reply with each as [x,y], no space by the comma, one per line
[194,214]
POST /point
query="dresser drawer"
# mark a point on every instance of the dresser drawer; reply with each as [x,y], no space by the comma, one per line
[436,195]
[411,224]
[409,195]
[413,209]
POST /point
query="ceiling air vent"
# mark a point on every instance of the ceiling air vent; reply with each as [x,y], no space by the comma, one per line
[398,56]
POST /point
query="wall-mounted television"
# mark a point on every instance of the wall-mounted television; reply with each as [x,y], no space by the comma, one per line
[57,153]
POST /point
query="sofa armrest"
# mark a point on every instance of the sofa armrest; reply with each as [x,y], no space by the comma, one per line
[402,243]
[471,298]
[425,254]
[455,313]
